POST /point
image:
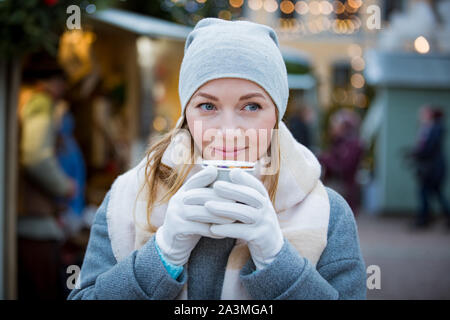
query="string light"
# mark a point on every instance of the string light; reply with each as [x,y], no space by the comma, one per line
[225,14]
[350,9]
[301,7]
[255,4]
[288,24]
[335,26]
[314,7]
[357,81]
[236,3]
[350,26]
[339,8]
[287,7]
[356,22]
[354,3]
[421,45]
[270,5]
[354,50]
[342,26]
[317,8]
[326,7]
[358,63]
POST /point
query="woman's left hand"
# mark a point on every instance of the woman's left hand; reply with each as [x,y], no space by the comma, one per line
[257,220]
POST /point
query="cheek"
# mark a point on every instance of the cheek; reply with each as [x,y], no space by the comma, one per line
[266,130]
[258,140]
[195,126]
[263,140]
[201,133]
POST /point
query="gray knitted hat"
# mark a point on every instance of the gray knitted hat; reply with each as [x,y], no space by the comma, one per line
[218,48]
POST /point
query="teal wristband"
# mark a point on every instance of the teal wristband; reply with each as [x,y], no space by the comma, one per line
[173,270]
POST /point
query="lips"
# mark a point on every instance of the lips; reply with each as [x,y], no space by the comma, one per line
[231,152]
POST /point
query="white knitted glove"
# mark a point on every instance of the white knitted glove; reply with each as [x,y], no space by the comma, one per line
[260,227]
[187,220]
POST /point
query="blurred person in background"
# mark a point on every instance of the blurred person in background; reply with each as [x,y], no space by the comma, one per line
[340,162]
[42,183]
[72,163]
[429,163]
[299,124]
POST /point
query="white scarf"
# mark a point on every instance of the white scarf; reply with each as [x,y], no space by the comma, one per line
[301,203]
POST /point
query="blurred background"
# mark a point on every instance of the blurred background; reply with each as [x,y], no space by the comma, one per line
[85,85]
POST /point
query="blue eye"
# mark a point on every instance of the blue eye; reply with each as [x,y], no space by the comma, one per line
[254,106]
[206,104]
[210,107]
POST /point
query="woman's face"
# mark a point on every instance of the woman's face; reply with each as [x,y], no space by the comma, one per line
[231,119]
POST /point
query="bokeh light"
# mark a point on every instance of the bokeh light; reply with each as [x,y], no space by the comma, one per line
[255,4]
[358,63]
[224,14]
[354,50]
[326,7]
[421,45]
[287,6]
[270,5]
[339,8]
[357,81]
[314,7]
[301,7]
[236,3]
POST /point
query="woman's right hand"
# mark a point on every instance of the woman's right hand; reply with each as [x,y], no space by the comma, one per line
[187,220]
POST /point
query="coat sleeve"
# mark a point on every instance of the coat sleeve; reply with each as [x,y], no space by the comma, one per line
[339,274]
[141,275]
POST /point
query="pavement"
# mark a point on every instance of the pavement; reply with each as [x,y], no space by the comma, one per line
[413,264]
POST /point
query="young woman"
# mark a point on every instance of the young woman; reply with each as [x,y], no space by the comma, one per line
[170,229]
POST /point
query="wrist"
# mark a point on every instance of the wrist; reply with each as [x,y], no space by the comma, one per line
[261,264]
[262,261]
[162,246]
[173,270]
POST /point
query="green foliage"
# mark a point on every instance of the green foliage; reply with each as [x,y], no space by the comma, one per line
[28,26]
[296,68]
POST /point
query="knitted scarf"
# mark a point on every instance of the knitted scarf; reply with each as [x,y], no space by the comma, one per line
[301,203]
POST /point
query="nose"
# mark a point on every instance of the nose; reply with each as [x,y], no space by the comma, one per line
[228,122]
[230,130]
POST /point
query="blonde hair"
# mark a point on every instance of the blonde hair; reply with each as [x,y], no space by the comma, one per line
[159,175]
